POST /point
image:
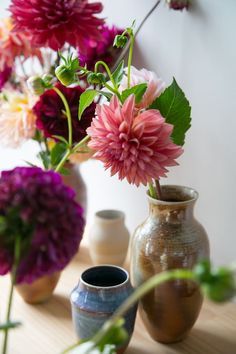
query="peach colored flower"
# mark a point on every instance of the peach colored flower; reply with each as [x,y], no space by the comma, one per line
[14,44]
[17,121]
[137,147]
[155,85]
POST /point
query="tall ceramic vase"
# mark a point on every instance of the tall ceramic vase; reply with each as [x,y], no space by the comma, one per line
[74,180]
[170,238]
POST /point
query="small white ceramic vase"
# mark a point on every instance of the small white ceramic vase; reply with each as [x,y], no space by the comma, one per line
[109,238]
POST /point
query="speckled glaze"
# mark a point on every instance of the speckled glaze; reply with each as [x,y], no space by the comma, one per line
[100,291]
[170,238]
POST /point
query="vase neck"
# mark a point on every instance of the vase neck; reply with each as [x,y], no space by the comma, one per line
[177,205]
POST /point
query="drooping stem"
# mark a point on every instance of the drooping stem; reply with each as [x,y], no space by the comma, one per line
[142,290]
[68,114]
[13,281]
[100,62]
[125,50]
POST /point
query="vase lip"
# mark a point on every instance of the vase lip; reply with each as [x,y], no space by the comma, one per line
[110,215]
[188,194]
[101,268]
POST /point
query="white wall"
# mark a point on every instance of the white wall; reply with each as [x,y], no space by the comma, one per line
[198,48]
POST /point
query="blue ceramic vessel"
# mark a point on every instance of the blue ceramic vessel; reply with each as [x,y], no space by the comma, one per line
[101,290]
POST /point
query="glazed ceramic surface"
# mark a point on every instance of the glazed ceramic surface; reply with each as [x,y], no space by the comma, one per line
[40,290]
[100,291]
[170,238]
[76,182]
[108,238]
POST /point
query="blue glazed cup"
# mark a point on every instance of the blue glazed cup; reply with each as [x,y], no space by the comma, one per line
[100,291]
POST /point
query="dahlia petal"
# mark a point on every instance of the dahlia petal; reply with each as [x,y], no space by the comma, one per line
[134,144]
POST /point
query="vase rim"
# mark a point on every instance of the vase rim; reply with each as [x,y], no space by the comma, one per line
[110,215]
[103,267]
[189,195]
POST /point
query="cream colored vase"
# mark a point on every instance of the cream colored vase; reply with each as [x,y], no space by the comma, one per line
[109,238]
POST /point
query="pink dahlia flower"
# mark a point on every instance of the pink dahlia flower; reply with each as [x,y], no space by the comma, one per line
[101,50]
[137,147]
[54,23]
[38,207]
[155,86]
[14,44]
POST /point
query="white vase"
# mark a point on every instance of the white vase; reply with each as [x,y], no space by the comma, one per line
[109,238]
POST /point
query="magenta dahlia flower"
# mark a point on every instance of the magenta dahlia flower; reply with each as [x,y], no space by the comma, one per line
[5,75]
[54,23]
[136,146]
[37,206]
[51,118]
[101,50]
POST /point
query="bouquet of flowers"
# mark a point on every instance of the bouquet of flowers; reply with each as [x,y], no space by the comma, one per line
[31,43]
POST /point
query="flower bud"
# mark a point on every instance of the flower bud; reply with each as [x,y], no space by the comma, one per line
[47,79]
[96,79]
[36,85]
[178,4]
[120,41]
[65,75]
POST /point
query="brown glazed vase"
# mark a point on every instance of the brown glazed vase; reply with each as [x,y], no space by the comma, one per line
[169,238]
[40,290]
[75,181]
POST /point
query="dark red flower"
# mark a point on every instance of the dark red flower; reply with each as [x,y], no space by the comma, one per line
[102,50]
[36,206]
[4,76]
[54,23]
[51,118]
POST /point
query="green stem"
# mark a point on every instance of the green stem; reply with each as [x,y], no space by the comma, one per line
[81,143]
[124,51]
[131,49]
[142,290]
[13,281]
[63,161]
[152,191]
[68,114]
[100,62]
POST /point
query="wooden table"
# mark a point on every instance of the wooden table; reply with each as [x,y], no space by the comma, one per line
[47,328]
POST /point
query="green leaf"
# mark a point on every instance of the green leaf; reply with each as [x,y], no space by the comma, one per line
[60,138]
[30,163]
[3,224]
[85,101]
[108,95]
[9,325]
[45,158]
[175,108]
[64,171]
[58,153]
[137,90]
[118,73]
